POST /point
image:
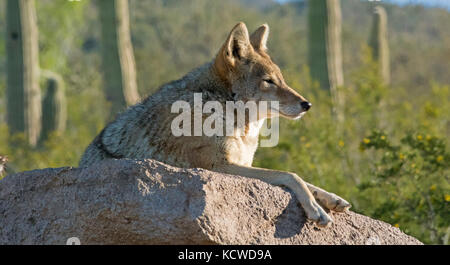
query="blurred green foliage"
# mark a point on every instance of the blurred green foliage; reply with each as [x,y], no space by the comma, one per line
[374,159]
[414,176]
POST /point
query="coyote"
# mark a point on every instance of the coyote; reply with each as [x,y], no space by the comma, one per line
[242,70]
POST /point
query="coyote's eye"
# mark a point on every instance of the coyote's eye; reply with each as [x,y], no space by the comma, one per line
[269,81]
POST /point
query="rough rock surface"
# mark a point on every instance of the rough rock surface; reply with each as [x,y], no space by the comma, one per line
[147,202]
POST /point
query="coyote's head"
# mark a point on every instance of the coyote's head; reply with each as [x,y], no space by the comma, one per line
[243,63]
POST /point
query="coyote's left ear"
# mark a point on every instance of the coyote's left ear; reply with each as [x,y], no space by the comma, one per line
[234,51]
[237,45]
[259,37]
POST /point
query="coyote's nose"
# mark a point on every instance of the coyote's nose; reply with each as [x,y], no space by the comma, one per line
[306,105]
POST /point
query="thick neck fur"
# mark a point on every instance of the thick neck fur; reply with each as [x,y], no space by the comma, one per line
[209,81]
[205,79]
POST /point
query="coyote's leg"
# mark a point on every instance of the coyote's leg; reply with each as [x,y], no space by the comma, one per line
[329,200]
[291,181]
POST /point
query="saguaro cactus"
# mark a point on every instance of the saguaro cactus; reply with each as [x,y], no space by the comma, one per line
[325,51]
[54,108]
[378,41]
[23,92]
[117,54]
[325,48]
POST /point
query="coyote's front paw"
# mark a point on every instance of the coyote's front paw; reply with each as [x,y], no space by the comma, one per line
[315,213]
[331,201]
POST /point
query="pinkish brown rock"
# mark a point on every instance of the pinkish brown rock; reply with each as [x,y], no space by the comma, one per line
[147,202]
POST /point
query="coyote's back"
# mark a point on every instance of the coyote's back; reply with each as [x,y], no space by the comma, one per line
[144,130]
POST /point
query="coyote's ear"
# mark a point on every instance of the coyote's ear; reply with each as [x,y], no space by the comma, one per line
[259,37]
[237,45]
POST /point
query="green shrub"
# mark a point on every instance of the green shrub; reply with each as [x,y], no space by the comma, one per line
[415,174]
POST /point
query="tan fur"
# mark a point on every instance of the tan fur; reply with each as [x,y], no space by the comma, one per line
[242,70]
[3,161]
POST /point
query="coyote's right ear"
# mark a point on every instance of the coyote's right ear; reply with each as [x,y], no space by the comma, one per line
[237,45]
[259,37]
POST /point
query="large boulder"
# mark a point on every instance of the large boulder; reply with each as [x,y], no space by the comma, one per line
[147,202]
